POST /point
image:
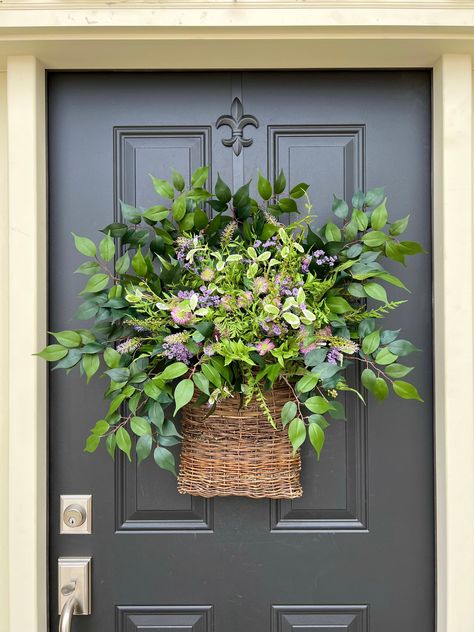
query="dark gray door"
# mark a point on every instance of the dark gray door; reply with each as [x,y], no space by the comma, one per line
[356,553]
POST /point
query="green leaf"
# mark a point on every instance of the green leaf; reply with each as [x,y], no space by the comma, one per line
[318,419]
[85,245]
[242,196]
[340,207]
[393,251]
[354,251]
[107,248]
[139,264]
[356,289]
[368,379]
[100,428]
[223,193]
[156,414]
[165,459]
[68,338]
[338,305]
[183,393]
[332,232]
[156,213]
[179,208]
[292,319]
[177,179]
[384,356]
[316,436]
[398,370]
[199,177]
[88,268]
[299,190]
[97,282]
[200,219]
[110,445]
[287,205]
[358,199]
[122,264]
[123,441]
[376,291]
[201,382]
[406,390]
[51,353]
[399,227]
[337,411]
[379,217]
[307,383]
[130,214]
[317,404]
[390,278]
[171,372]
[119,375]
[402,347]
[140,426]
[297,434]
[371,342]
[288,412]
[212,374]
[143,447]
[92,443]
[163,188]
[361,219]
[90,364]
[411,248]
[264,187]
[280,183]
[112,357]
[380,388]
[374,238]
[151,389]
[374,196]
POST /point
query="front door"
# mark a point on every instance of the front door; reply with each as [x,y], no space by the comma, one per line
[356,552]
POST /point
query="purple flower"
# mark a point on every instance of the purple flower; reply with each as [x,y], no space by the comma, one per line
[177,351]
[334,356]
[244,300]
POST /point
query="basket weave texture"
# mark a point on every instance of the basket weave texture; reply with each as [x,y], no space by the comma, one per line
[236,452]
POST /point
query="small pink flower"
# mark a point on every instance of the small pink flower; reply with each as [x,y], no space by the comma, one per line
[244,300]
[265,346]
[181,315]
[260,285]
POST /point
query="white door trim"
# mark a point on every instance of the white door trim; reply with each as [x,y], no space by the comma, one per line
[25,175]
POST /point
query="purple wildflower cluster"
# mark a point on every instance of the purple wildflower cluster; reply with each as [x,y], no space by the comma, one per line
[321,258]
[273,329]
[286,286]
[175,349]
[205,296]
[334,356]
[273,242]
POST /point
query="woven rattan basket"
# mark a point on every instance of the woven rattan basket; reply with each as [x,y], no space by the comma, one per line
[236,452]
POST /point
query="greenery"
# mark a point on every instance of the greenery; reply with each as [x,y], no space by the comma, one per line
[211,296]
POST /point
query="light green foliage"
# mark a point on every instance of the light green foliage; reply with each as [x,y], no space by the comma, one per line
[209,295]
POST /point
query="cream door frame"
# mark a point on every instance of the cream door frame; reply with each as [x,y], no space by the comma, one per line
[62,38]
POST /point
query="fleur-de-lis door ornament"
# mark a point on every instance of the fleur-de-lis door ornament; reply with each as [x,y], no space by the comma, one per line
[237,120]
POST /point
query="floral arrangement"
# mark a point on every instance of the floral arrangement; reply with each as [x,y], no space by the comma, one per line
[211,296]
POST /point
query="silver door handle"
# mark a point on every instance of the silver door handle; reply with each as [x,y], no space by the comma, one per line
[65,620]
[74,594]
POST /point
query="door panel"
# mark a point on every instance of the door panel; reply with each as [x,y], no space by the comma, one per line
[356,552]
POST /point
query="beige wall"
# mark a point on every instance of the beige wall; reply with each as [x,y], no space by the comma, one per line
[4,430]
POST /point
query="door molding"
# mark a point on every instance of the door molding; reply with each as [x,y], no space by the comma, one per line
[23,216]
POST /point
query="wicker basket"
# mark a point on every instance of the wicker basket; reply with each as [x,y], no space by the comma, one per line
[236,452]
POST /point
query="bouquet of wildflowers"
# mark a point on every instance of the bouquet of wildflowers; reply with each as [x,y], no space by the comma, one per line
[211,296]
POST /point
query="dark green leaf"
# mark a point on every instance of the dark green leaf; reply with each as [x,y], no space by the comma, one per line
[380,388]
[177,179]
[139,264]
[280,183]
[201,382]
[223,193]
[288,412]
[164,459]
[264,187]
[143,447]
[340,208]
[402,347]
[299,190]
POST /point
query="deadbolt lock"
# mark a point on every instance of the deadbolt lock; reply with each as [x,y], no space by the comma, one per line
[76,514]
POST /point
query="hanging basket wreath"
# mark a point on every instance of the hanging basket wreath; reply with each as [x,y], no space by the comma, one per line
[211,309]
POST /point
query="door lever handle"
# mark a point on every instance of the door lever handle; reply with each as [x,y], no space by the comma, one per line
[74,595]
[67,612]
